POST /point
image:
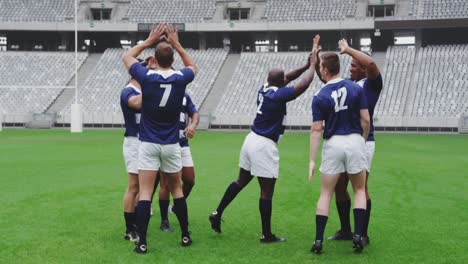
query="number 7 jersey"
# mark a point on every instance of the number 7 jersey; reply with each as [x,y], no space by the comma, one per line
[339,104]
[162,95]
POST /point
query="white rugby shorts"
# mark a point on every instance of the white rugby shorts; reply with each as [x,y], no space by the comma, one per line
[344,153]
[152,157]
[370,150]
[260,156]
[187,160]
[130,154]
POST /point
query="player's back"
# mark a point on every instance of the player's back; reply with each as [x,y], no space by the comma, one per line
[163,92]
[131,116]
[339,104]
[271,111]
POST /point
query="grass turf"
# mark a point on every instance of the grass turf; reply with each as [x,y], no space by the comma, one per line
[62,196]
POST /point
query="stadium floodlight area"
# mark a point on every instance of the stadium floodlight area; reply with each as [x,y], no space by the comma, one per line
[31,81]
[181,11]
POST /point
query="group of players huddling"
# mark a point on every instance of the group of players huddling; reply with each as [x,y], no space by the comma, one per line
[157,109]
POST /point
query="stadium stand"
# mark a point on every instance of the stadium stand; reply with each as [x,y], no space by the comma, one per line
[238,104]
[36,11]
[32,69]
[303,10]
[441,82]
[101,91]
[440,9]
[181,11]
[397,78]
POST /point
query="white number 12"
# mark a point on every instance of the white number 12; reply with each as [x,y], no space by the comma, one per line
[167,91]
[341,94]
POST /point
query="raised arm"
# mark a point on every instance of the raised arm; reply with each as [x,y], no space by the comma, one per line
[157,32]
[301,86]
[173,39]
[315,135]
[294,74]
[317,65]
[363,59]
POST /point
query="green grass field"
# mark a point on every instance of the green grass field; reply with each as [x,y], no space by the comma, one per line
[61,197]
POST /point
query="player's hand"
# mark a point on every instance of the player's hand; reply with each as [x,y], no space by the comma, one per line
[190,131]
[316,44]
[172,36]
[311,170]
[156,34]
[343,45]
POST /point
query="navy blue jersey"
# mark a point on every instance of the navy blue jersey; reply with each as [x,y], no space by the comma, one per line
[339,104]
[271,111]
[131,116]
[372,89]
[188,109]
[163,92]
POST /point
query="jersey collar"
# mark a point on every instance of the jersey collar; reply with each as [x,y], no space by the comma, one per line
[337,80]
[266,88]
[134,87]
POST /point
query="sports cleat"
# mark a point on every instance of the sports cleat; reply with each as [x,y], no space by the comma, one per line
[271,239]
[342,235]
[215,221]
[358,243]
[131,236]
[141,249]
[366,240]
[165,226]
[317,247]
[186,241]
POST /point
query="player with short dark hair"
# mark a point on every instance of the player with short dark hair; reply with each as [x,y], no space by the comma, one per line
[367,75]
[342,106]
[259,154]
[163,91]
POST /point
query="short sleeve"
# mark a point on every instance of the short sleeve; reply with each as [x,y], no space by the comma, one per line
[187,75]
[126,94]
[139,72]
[316,112]
[376,84]
[284,94]
[362,100]
[191,108]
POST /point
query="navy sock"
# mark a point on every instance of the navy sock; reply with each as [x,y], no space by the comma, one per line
[130,220]
[359,216]
[367,219]
[143,216]
[320,223]
[163,206]
[344,207]
[265,212]
[182,215]
[231,192]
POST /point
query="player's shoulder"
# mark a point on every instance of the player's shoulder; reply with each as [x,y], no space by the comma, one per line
[130,89]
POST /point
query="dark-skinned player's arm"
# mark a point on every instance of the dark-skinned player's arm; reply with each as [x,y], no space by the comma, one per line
[365,60]
[301,86]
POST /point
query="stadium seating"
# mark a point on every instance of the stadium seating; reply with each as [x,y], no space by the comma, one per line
[36,11]
[441,82]
[34,69]
[397,78]
[238,104]
[304,10]
[440,9]
[101,92]
[181,11]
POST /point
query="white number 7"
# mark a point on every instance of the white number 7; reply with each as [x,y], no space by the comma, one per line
[167,92]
